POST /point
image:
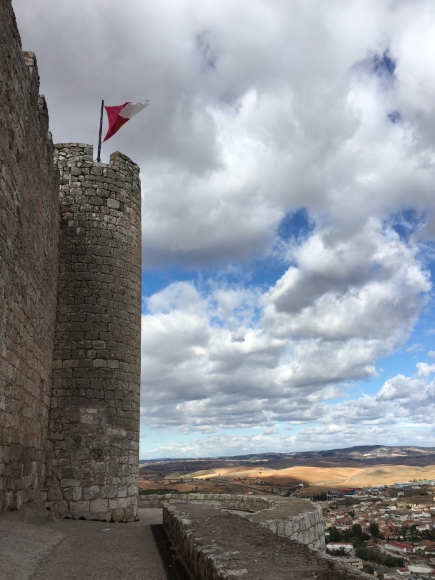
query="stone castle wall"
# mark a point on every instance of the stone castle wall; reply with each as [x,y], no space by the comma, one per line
[69,309]
[298,520]
[93,447]
[29,228]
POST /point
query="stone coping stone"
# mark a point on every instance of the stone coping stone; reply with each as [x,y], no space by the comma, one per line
[282,507]
[218,545]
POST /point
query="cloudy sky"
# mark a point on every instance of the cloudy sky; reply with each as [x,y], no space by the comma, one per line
[288,175]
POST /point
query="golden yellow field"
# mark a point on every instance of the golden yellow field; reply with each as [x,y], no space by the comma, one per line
[256,478]
[330,476]
[389,474]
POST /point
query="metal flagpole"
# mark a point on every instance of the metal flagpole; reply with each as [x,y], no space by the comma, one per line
[101,128]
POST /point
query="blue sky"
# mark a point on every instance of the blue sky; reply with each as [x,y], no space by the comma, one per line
[288,176]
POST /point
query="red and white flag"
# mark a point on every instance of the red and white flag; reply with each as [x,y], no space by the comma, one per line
[119,115]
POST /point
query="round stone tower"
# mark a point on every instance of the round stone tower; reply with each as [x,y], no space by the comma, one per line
[93,441]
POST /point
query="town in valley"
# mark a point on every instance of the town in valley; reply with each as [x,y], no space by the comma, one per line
[378,502]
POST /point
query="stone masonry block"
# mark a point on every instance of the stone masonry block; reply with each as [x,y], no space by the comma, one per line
[79,509]
[99,505]
[110,491]
[91,492]
[113,203]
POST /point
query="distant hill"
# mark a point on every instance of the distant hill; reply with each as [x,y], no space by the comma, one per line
[360,453]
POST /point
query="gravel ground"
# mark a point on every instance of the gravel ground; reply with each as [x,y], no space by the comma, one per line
[80,550]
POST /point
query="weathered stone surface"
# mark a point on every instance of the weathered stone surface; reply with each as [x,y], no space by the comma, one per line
[300,520]
[91,492]
[29,228]
[79,508]
[99,505]
[200,534]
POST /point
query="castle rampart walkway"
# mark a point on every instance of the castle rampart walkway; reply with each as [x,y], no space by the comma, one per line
[79,550]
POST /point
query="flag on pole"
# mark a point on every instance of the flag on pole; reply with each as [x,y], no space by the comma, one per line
[119,115]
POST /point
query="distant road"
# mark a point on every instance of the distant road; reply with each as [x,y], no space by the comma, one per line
[355,474]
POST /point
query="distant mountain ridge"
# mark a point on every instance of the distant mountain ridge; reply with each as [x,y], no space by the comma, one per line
[356,453]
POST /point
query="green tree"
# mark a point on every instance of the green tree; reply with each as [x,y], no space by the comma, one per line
[322,496]
[356,541]
[334,535]
[356,530]
[374,556]
[392,562]
[374,529]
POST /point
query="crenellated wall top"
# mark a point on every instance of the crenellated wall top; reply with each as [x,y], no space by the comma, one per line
[77,153]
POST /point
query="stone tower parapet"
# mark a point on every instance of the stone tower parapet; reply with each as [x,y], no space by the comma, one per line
[93,438]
